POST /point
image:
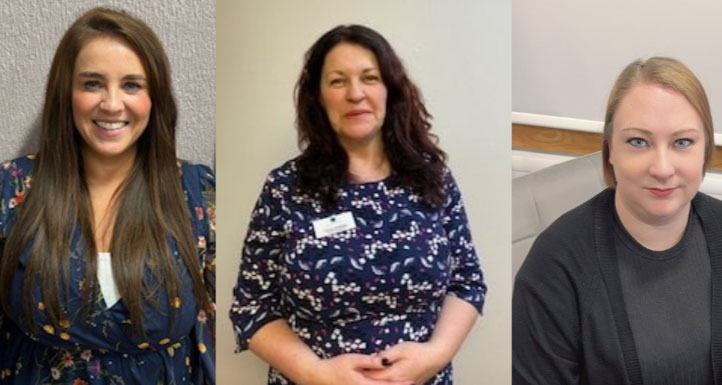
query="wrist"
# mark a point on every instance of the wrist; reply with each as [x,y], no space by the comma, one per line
[311,371]
[442,353]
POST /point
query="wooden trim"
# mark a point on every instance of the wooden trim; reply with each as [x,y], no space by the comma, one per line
[535,138]
[554,140]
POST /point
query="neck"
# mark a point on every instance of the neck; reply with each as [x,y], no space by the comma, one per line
[655,235]
[104,172]
[104,176]
[367,162]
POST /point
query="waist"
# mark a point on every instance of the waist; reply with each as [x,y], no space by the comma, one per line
[367,335]
[83,340]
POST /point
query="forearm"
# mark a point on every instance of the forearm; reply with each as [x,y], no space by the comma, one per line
[281,348]
[455,321]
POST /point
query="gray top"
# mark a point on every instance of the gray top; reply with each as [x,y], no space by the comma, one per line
[667,297]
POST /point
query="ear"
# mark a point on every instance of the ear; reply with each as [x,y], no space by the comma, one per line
[609,149]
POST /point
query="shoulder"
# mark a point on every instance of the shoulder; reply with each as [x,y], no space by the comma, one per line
[703,201]
[284,174]
[24,165]
[191,170]
[198,181]
[709,209]
[15,182]
[195,174]
[15,174]
[577,221]
[567,246]
[447,180]
[280,181]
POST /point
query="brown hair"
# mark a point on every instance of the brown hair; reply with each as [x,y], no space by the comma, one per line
[151,204]
[665,72]
[411,148]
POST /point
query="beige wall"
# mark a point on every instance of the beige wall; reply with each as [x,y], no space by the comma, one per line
[459,53]
[567,53]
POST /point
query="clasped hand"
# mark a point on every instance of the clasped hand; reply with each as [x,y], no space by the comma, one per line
[408,363]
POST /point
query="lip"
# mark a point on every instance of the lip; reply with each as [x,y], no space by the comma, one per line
[661,193]
[356,112]
[110,133]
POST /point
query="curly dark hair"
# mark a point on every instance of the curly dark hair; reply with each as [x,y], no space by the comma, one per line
[416,160]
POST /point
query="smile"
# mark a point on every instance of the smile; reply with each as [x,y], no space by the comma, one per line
[110,126]
[661,192]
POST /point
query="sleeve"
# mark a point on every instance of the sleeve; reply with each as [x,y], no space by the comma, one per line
[256,298]
[203,201]
[15,183]
[545,321]
[467,279]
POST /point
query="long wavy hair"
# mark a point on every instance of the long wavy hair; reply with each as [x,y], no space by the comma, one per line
[150,205]
[416,161]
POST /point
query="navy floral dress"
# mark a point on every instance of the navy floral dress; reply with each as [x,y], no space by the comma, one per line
[361,290]
[102,349]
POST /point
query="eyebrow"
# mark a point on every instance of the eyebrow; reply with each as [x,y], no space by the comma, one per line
[98,75]
[364,71]
[648,132]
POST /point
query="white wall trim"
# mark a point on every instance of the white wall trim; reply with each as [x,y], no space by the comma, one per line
[563,123]
[557,122]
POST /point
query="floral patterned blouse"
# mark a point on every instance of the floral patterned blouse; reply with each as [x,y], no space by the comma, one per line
[101,349]
[362,289]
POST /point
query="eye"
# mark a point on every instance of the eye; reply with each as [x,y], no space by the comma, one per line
[372,79]
[336,82]
[132,87]
[683,143]
[91,85]
[637,142]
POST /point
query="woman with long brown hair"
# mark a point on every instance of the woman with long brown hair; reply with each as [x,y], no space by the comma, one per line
[358,265]
[107,266]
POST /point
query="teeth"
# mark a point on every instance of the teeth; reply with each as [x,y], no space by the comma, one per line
[109,126]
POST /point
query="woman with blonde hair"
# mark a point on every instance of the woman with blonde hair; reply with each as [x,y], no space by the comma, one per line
[107,266]
[624,289]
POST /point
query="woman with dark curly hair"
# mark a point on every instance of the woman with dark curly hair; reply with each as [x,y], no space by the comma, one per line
[358,265]
[107,266]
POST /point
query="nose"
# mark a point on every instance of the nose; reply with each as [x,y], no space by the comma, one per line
[111,101]
[662,166]
[355,91]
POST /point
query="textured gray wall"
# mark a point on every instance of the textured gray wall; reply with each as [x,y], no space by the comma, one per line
[31,29]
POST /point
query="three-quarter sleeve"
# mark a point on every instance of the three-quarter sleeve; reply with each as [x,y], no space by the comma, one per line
[467,279]
[256,298]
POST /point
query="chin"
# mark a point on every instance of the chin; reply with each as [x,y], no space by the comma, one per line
[665,210]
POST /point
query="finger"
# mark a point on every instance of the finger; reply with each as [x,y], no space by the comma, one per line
[367,362]
[393,374]
[386,382]
[392,354]
[380,374]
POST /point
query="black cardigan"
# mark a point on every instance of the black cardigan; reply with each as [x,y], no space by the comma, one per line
[569,321]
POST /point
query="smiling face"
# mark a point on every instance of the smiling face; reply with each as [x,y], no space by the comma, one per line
[657,149]
[110,97]
[353,94]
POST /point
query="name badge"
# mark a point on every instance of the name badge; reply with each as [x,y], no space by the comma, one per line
[334,224]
